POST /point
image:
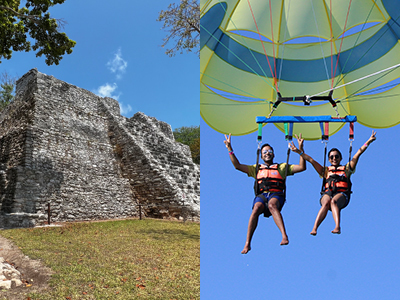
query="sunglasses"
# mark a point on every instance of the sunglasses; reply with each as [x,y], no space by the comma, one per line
[267,151]
[334,156]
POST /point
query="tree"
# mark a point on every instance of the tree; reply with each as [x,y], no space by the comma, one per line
[7,85]
[183,26]
[195,150]
[32,20]
[190,136]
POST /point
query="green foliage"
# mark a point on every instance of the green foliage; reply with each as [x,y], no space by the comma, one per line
[186,135]
[190,136]
[7,85]
[131,259]
[182,22]
[18,24]
[195,150]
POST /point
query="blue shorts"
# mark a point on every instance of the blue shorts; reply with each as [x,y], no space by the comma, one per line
[278,195]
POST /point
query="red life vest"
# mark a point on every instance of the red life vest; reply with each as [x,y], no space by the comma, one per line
[337,180]
[269,179]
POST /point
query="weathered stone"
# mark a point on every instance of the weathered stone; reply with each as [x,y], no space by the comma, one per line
[5,284]
[64,146]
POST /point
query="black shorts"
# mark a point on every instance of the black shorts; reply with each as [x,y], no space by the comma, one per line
[331,194]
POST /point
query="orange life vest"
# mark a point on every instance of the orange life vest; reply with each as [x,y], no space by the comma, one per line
[269,179]
[337,180]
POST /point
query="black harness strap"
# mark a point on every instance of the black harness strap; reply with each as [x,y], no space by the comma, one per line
[286,172]
[323,170]
[257,168]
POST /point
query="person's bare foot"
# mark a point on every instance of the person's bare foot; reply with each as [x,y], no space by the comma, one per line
[336,231]
[313,232]
[246,249]
[285,241]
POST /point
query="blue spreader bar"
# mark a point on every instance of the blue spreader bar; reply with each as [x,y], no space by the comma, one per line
[305,119]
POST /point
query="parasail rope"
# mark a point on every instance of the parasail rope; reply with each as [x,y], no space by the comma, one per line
[262,43]
[234,96]
[341,43]
[234,87]
[369,98]
[320,43]
[233,53]
[355,43]
[244,42]
[273,42]
[283,47]
[372,82]
[359,79]
[330,26]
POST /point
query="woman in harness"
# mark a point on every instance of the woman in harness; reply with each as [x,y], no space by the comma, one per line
[337,186]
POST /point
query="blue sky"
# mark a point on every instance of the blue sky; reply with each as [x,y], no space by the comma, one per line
[118,54]
[360,263]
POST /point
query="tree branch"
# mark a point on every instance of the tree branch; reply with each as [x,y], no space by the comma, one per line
[32,18]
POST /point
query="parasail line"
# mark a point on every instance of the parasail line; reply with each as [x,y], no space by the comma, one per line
[356,80]
[354,94]
[341,43]
[373,81]
[283,47]
[273,43]
[344,108]
[232,104]
[244,42]
[219,42]
[368,98]
[330,25]
[385,87]
[220,81]
[231,96]
[320,43]
[262,43]
[352,49]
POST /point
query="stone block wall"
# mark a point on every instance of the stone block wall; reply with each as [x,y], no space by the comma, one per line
[63,145]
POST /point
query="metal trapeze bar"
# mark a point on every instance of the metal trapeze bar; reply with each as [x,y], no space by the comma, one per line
[305,119]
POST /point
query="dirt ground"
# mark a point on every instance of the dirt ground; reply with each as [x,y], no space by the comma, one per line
[34,274]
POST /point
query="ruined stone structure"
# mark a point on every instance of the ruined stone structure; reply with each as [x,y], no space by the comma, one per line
[64,146]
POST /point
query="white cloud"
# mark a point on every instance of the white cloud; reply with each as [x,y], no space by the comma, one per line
[125,109]
[107,90]
[117,65]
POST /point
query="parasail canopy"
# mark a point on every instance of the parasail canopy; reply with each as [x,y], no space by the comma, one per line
[257,52]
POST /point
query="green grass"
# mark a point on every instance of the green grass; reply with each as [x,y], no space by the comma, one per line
[130,259]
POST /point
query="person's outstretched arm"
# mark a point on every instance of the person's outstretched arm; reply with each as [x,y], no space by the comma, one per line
[234,160]
[315,164]
[360,151]
[302,163]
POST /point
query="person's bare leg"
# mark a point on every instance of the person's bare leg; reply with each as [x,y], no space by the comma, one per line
[325,205]
[273,206]
[337,201]
[253,221]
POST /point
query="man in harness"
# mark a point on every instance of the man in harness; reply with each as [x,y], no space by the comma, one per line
[336,188]
[269,186]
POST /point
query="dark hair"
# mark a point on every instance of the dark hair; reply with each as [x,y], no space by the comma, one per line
[337,150]
[266,145]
